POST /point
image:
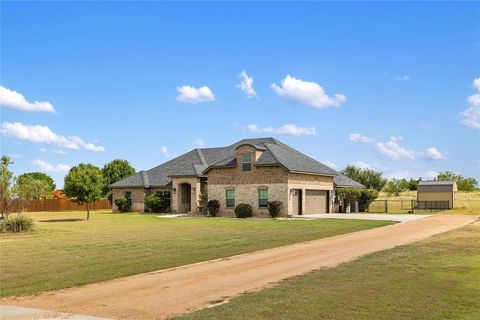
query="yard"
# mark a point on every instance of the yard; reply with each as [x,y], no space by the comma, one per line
[466,203]
[437,278]
[64,250]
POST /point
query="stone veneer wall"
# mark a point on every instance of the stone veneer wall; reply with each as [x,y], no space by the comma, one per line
[195,196]
[304,182]
[138,196]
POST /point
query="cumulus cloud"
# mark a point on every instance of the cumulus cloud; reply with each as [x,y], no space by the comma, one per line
[43,134]
[402,78]
[288,129]
[164,152]
[471,116]
[433,153]
[15,100]
[189,94]
[363,165]
[199,143]
[59,151]
[357,137]
[246,85]
[45,166]
[306,92]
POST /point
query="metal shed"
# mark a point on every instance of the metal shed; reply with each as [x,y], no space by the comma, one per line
[435,194]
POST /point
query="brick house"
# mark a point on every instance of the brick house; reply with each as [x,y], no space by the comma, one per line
[252,171]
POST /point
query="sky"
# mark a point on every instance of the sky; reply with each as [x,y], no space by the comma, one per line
[390,86]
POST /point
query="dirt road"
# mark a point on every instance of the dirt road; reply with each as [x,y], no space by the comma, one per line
[161,294]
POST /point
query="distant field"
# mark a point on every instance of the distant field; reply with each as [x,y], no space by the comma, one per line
[65,250]
[466,203]
[437,278]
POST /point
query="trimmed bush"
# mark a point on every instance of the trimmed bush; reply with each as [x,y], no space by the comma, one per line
[156,202]
[366,197]
[213,206]
[274,208]
[243,210]
[19,223]
[123,204]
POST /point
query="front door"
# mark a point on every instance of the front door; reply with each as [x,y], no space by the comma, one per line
[297,202]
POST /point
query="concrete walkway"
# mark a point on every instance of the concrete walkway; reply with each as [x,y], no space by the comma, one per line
[22,313]
[365,216]
[166,293]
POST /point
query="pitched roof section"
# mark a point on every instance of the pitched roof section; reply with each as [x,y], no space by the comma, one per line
[343,181]
[198,161]
[436,183]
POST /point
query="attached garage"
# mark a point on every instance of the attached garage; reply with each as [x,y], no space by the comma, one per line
[316,201]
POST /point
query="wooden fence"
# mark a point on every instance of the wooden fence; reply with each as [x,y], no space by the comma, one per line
[63,205]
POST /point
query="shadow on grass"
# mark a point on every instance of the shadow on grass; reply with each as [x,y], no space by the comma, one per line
[61,220]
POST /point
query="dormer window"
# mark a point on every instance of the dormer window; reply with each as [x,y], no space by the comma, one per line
[246,162]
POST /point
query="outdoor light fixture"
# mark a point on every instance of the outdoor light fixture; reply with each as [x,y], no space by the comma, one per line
[174,190]
[193,190]
[293,192]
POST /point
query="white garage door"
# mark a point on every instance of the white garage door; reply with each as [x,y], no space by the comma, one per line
[316,201]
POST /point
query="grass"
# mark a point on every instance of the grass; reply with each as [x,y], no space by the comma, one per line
[65,250]
[466,203]
[438,278]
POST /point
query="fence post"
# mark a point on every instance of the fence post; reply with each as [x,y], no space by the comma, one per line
[386,206]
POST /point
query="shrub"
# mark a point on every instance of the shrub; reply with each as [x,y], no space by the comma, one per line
[213,206]
[123,204]
[19,223]
[348,196]
[243,210]
[366,197]
[156,202]
[274,208]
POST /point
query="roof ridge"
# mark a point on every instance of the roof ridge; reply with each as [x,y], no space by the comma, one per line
[201,156]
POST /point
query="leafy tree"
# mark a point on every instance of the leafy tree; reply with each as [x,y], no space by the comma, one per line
[114,171]
[369,178]
[394,187]
[84,183]
[29,188]
[40,176]
[348,196]
[7,189]
[463,184]
[366,197]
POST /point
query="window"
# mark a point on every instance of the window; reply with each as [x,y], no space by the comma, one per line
[166,194]
[230,198]
[262,198]
[247,162]
[128,196]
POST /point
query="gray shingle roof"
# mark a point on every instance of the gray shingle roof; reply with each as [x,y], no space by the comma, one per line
[198,161]
[344,181]
[436,183]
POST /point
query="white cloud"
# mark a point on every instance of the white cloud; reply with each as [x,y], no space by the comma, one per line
[357,137]
[363,165]
[308,93]
[188,94]
[402,78]
[59,151]
[288,129]
[471,116]
[164,152]
[45,166]
[42,149]
[430,174]
[330,164]
[433,153]
[246,85]
[43,134]
[199,143]
[392,150]
[15,100]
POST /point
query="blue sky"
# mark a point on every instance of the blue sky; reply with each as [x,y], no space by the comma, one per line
[383,85]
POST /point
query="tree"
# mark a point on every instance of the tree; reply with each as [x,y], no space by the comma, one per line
[394,187]
[369,178]
[463,184]
[366,198]
[115,171]
[29,188]
[39,176]
[84,183]
[7,189]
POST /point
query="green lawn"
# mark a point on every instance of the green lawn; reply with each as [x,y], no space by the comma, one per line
[66,251]
[438,278]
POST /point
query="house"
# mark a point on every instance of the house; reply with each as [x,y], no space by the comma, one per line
[253,171]
[435,194]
